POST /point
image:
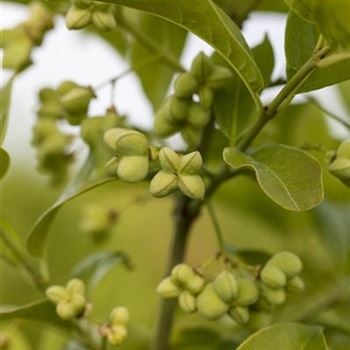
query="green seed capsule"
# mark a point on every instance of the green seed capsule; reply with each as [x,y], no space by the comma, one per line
[187,302]
[288,262]
[295,284]
[209,305]
[240,314]
[77,100]
[177,108]
[104,20]
[275,296]
[65,310]
[202,67]
[219,78]
[273,276]
[198,116]
[162,126]
[117,334]
[195,284]
[133,168]
[76,287]
[206,97]
[78,18]
[225,286]
[56,294]
[191,163]
[182,274]
[120,316]
[259,319]
[185,85]
[247,292]
[163,184]
[192,186]
[191,135]
[169,160]
[168,288]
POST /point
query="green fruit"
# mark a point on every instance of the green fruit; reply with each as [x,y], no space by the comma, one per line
[295,284]
[104,20]
[163,184]
[190,164]
[169,160]
[177,108]
[288,262]
[247,292]
[219,77]
[133,168]
[206,97]
[117,334]
[77,100]
[187,302]
[240,314]
[198,116]
[195,284]
[65,310]
[168,288]
[225,286]
[209,305]
[162,126]
[192,186]
[186,85]
[78,18]
[259,319]
[191,135]
[201,67]
[120,316]
[344,150]
[66,86]
[275,296]
[273,276]
[56,294]
[182,274]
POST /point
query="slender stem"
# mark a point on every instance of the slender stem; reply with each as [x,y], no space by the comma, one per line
[218,231]
[25,263]
[330,114]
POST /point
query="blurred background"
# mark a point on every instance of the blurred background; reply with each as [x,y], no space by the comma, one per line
[249,219]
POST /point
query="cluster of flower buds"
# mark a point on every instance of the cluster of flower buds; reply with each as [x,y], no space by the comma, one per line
[178,172]
[131,160]
[340,163]
[116,330]
[69,101]
[82,13]
[180,111]
[53,152]
[234,292]
[19,41]
[98,221]
[70,300]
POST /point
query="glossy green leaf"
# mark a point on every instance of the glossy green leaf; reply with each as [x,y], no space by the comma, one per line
[272,5]
[42,311]
[95,267]
[289,176]
[4,162]
[210,23]
[300,41]
[5,102]
[237,10]
[38,235]
[170,38]
[286,336]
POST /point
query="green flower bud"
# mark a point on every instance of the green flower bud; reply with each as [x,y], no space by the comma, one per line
[117,335]
[104,20]
[77,100]
[247,292]
[133,168]
[295,284]
[195,284]
[273,276]
[78,18]
[162,126]
[288,262]
[177,108]
[169,160]
[198,116]
[192,186]
[56,294]
[182,274]
[206,97]
[168,288]
[275,296]
[185,85]
[240,314]
[219,77]
[191,163]
[225,286]
[65,310]
[120,316]
[127,142]
[201,67]
[163,184]
[209,305]
[187,302]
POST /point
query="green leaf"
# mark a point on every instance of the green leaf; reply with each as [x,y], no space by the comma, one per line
[4,162]
[289,176]
[272,5]
[344,89]
[210,23]
[38,235]
[5,102]
[117,39]
[286,336]
[170,38]
[301,39]
[95,267]
[42,311]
